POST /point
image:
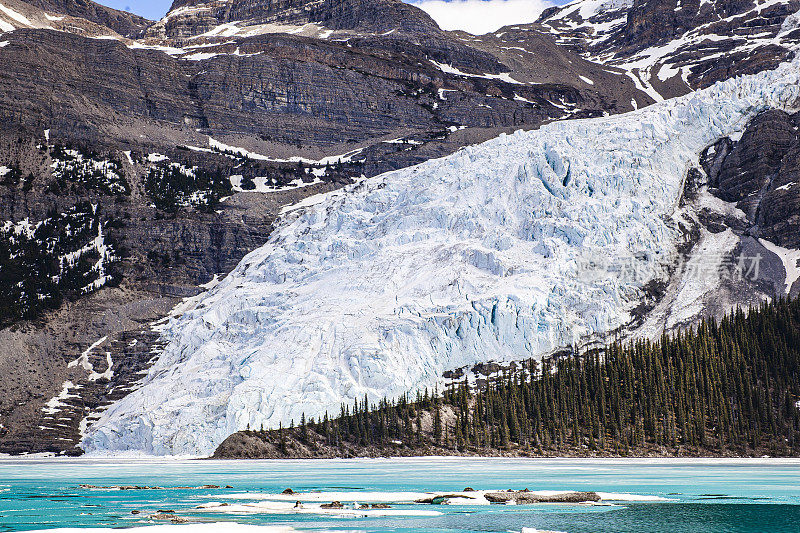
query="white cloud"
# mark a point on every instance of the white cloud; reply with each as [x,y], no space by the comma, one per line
[482,16]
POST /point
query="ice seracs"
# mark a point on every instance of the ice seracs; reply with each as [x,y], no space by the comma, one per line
[478,256]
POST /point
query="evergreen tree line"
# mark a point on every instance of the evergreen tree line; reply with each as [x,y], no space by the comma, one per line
[74,169]
[172,186]
[39,267]
[281,174]
[12,177]
[727,387]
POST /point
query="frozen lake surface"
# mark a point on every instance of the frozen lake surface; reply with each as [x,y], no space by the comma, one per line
[638,495]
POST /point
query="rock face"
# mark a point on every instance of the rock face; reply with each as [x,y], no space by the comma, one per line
[80,17]
[760,173]
[83,89]
[283,95]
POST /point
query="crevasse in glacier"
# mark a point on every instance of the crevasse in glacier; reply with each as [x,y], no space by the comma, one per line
[381,287]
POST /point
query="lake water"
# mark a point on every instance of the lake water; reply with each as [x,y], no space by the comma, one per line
[683,495]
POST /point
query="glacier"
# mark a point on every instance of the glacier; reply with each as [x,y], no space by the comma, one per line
[378,288]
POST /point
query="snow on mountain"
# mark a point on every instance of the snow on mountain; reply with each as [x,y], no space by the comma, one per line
[478,256]
[18,14]
[669,47]
[586,22]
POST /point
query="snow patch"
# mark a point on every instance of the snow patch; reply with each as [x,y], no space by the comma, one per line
[199,527]
[270,507]
[626,497]
[404,141]
[55,403]
[790,260]
[449,69]
[83,360]
[22,19]
[200,56]
[261,185]
[644,86]
[328,160]
[136,45]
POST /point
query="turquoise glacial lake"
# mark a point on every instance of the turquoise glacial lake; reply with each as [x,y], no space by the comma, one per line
[647,495]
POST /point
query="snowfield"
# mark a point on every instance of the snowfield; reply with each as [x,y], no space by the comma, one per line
[381,287]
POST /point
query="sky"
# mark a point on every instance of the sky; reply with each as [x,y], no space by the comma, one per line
[483,16]
[474,16]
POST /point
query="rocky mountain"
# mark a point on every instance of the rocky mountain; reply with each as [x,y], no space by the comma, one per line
[516,247]
[141,161]
[189,145]
[278,93]
[673,46]
[71,16]
[124,23]
[191,18]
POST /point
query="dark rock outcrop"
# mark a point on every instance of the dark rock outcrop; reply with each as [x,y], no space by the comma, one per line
[761,174]
[333,505]
[522,497]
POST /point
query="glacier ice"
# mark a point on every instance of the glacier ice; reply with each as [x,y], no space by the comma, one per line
[379,288]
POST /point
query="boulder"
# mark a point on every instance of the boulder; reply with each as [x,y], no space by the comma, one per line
[527,497]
